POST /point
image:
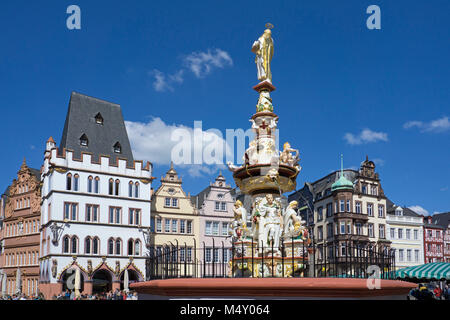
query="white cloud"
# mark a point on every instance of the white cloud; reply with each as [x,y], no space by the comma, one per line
[366,136]
[199,63]
[419,210]
[438,125]
[152,141]
[161,83]
[202,63]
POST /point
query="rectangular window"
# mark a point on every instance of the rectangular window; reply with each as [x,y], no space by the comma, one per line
[348,206]
[174,226]
[224,229]
[408,255]
[400,233]
[70,211]
[320,233]
[175,202]
[208,255]
[92,213]
[359,228]
[329,230]
[370,209]
[349,228]
[189,227]
[217,205]
[392,233]
[118,215]
[342,227]
[329,210]
[189,255]
[215,228]
[158,225]
[208,229]
[408,234]
[416,234]
[400,255]
[182,226]
[370,228]
[111,215]
[320,214]
[152,225]
[167,225]
[167,202]
[380,211]
[216,255]
[223,206]
[381,231]
[342,206]
[416,255]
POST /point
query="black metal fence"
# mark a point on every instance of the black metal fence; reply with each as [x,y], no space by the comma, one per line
[343,259]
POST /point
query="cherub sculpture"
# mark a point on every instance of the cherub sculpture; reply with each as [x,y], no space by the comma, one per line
[287,158]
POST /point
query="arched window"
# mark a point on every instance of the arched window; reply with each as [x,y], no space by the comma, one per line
[87,245]
[95,245]
[111,187]
[89,186]
[137,248]
[74,244]
[130,247]
[136,190]
[118,247]
[66,244]
[69,181]
[117,148]
[111,246]
[117,187]
[130,189]
[84,140]
[76,179]
[96,186]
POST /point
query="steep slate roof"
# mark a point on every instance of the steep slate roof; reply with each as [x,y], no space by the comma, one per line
[442,219]
[101,137]
[36,173]
[406,211]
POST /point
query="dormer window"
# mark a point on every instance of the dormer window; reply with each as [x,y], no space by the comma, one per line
[399,212]
[99,118]
[84,141]
[117,148]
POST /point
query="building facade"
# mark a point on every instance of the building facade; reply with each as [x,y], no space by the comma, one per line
[342,208]
[405,231]
[21,233]
[175,221]
[215,205]
[433,240]
[443,220]
[3,283]
[96,202]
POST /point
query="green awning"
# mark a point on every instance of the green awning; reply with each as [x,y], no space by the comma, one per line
[435,270]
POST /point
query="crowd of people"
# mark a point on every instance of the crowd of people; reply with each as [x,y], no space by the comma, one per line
[23,296]
[430,291]
[111,295]
[71,295]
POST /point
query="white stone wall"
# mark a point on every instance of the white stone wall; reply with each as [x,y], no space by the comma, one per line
[54,193]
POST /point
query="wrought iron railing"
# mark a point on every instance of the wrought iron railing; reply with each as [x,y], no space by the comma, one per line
[247,258]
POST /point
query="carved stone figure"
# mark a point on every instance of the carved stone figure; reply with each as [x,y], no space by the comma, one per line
[293,225]
[89,267]
[263,48]
[287,158]
[239,224]
[270,223]
[54,267]
[117,270]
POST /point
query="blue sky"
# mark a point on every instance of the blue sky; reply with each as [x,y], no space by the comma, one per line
[341,88]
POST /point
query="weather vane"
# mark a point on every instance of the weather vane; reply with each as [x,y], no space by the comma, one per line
[269,26]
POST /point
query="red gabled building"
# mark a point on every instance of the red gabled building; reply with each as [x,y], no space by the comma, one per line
[443,219]
[433,240]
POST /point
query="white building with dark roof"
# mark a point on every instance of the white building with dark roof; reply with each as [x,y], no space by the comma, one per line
[405,231]
[95,203]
